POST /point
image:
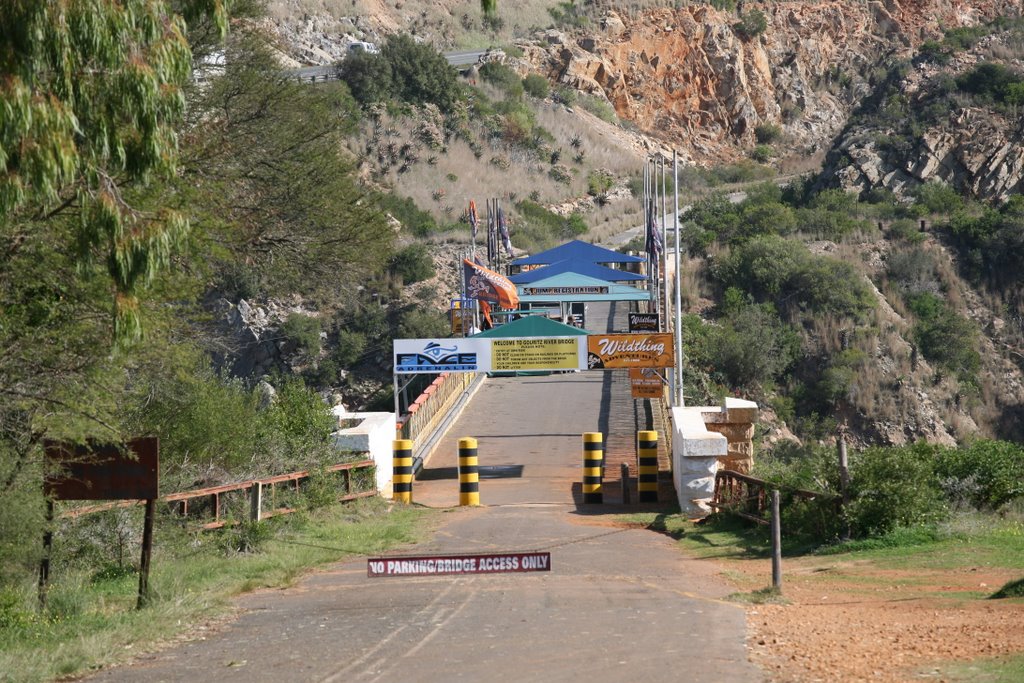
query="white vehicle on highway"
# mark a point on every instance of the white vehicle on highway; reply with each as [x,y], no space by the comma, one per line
[362,46]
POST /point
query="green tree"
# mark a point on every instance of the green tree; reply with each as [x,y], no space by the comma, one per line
[265,182]
[91,93]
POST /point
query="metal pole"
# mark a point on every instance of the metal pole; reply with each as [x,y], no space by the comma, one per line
[679,400]
[776,542]
[664,245]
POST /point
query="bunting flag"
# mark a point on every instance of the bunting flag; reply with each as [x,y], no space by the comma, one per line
[473,221]
[653,244]
[503,230]
[486,285]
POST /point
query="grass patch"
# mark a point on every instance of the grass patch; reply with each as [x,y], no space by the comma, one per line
[762,596]
[995,670]
[91,621]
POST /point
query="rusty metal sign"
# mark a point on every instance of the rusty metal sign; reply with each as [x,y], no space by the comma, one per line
[437,565]
[95,471]
[645,383]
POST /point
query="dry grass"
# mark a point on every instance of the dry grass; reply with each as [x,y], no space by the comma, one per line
[444,181]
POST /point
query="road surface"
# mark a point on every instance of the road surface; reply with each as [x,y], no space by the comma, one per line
[618,604]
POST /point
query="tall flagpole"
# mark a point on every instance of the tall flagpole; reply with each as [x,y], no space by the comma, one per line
[664,242]
[680,400]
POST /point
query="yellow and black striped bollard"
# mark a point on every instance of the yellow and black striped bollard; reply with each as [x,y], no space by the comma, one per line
[647,470]
[469,472]
[401,474]
[593,460]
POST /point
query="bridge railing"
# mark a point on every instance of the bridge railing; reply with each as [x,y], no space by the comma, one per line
[431,406]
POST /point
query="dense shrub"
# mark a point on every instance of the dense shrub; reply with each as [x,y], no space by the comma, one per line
[993,81]
[598,182]
[412,264]
[539,228]
[537,86]
[945,337]
[419,222]
[406,71]
[751,24]
[937,197]
[783,272]
[983,474]
[892,488]
[504,77]
[767,133]
[751,346]
[303,332]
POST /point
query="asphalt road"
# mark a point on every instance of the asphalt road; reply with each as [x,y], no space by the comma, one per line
[617,605]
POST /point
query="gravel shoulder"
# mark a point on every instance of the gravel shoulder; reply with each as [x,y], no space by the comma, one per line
[842,620]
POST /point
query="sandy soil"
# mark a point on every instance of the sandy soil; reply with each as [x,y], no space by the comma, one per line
[848,621]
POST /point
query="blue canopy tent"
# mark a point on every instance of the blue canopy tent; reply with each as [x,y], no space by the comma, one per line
[579,251]
[579,267]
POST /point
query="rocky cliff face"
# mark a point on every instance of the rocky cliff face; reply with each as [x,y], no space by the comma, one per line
[692,78]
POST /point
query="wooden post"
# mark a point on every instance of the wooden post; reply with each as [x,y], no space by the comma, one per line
[255,501]
[147,553]
[776,542]
[44,564]
[624,477]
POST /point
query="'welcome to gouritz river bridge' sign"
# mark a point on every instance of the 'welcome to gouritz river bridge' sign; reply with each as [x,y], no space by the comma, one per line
[436,565]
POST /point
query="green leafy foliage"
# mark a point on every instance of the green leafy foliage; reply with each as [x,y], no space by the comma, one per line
[945,337]
[984,474]
[504,77]
[993,81]
[407,71]
[303,332]
[92,92]
[412,264]
[751,346]
[419,222]
[782,272]
[537,86]
[751,24]
[265,179]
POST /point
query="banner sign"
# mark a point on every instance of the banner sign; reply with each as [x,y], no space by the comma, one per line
[645,382]
[486,285]
[476,354]
[540,353]
[644,322]
[438,565]
[559,291]
[414,356]
[610,351]
[95,471]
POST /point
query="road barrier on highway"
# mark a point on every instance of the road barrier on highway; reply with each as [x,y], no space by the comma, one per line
[647,466]
[469,472]
[401,476]
[593,462]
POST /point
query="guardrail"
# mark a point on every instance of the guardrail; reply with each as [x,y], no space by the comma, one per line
[748,497]
[431,406]
[213,503]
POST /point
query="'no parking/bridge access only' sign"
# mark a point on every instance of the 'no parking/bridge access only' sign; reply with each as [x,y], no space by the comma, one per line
[437,565]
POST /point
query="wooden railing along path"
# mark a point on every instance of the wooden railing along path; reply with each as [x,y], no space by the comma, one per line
[211,500]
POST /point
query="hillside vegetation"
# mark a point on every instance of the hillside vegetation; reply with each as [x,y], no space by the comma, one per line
[197,247]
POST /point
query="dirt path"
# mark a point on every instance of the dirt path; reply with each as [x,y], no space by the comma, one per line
[849,621]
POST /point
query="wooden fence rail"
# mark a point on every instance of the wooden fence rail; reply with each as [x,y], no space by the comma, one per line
[209,502]
[749,497]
